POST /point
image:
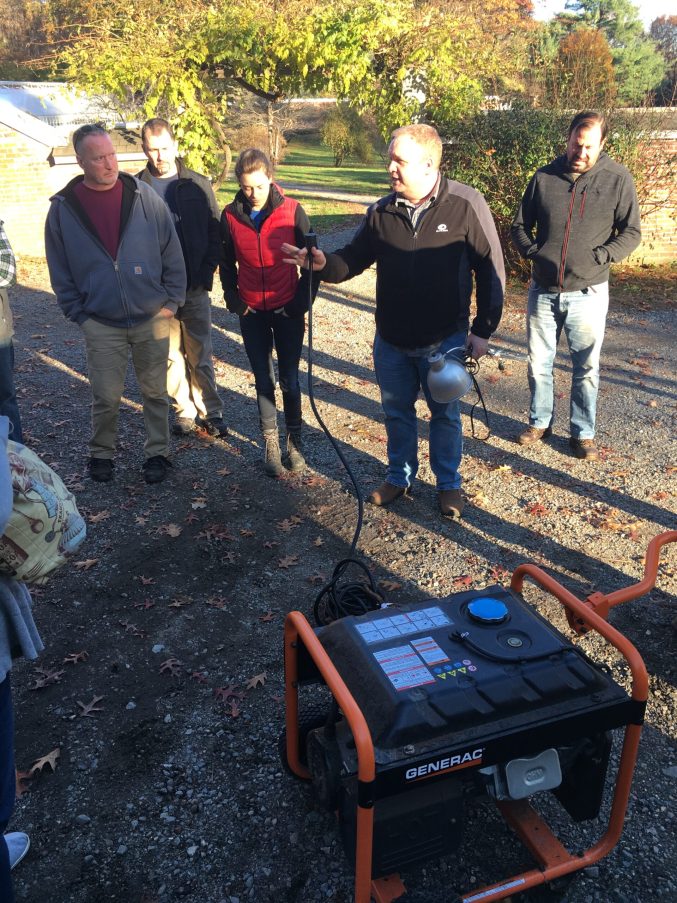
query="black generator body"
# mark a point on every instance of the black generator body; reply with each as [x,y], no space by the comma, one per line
[433,704]
[468,695]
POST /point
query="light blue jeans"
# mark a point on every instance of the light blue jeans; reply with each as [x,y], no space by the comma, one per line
[400,375]
[582,316]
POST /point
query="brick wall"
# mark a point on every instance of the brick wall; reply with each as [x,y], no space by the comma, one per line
[25,187]
[659,208]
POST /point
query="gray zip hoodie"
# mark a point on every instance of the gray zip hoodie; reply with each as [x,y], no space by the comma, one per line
[581,225]
[147,274]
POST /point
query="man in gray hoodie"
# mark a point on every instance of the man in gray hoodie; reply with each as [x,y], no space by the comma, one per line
[117,269]
[579,214]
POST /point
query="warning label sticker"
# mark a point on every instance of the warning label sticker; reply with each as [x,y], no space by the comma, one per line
[403,624]
[403,668]
[430,652]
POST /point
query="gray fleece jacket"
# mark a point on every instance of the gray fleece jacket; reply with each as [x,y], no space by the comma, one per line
[147,274]
[572,229]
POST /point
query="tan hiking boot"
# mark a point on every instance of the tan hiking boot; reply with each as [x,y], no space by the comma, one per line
[585,449]
[533,434]
[385,494]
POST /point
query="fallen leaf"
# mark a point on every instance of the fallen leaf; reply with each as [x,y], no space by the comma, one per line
[315,578]
[74,657]
[224,472]
[47,679]
[390,585]
[245,532]
[191,517]
[216,601]
[86,564]
[88,708]
[180,601]
[233,709]
[200,502]
[257,681]
[288,562]
[49,759]
[146,581]
[269,615]
[232,691]
[536,509]
[270,544]
[172,530]
[286,525]
[318,541]
[97,518]
[465,580]
[171,666]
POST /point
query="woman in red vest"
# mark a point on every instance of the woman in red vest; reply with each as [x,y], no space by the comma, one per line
[269,297]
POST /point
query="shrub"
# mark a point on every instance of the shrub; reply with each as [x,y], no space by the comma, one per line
[346,135]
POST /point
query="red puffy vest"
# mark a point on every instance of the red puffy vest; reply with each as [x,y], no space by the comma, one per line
[264,281]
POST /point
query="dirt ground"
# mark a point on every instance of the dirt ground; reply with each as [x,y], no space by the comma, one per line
[161,686]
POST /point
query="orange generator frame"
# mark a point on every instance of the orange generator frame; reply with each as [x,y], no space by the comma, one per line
[553,859]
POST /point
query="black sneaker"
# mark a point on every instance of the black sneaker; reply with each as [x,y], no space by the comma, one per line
[100,469]
[183,426]
[155,468]
[214,426]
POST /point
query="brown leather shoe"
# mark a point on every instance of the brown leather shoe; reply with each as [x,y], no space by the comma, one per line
[533,434]
[452,502]
[385,494]
[585,449]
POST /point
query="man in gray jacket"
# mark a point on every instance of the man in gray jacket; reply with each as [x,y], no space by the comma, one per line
[117,270]
[578,215]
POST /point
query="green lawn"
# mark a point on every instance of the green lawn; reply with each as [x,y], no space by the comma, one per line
[308,162]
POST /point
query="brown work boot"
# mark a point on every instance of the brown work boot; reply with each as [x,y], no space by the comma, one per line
[273,460]
[452,502]
[585,449]
[385,494]
[533,434]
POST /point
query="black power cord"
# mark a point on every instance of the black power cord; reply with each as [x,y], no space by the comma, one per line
[336,601]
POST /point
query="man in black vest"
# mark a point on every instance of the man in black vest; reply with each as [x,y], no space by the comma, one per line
[191,382]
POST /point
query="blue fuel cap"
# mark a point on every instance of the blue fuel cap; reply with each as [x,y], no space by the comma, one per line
[488,610]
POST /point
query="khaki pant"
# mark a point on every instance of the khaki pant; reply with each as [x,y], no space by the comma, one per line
[107,354]
[190,376]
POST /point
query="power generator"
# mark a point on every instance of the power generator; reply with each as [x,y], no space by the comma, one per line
[432,703]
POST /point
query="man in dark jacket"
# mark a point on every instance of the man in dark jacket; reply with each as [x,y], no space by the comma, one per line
[429,239]
[190,198]
[117,270]
[578,215]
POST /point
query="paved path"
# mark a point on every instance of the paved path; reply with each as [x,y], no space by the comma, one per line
[331,193]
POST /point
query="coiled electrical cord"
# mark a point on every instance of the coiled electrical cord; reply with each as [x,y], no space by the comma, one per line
[334,600]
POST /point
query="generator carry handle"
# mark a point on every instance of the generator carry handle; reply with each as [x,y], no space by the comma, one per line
[599,603]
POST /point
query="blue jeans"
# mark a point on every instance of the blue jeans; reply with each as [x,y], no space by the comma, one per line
[260,331]
[8,403]
[400,376]
[582,316]
[7,783]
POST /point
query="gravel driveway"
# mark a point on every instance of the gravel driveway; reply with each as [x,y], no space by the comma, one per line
[169,787]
